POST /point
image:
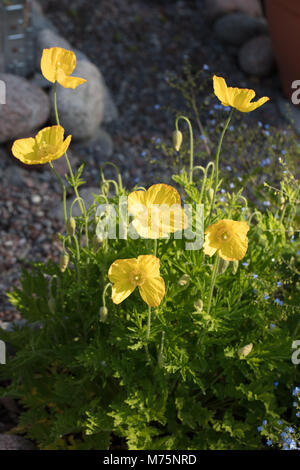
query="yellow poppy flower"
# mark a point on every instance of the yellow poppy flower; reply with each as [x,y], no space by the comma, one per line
[157,211]
[239,98]
[48,145]
[141,272]
[228,238]
[57,64]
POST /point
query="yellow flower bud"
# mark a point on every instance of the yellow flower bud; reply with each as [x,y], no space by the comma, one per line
[245,350]
[103,312]
[64,261]
[71,226]
[177,140]
[210,194]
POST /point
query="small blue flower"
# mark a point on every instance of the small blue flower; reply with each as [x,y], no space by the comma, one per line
[260,124]
[239,178]
[278,302]
[231,185]
[245,263]
[276,384]
[267,203]
[259,428]
[231,128]
[158,140]
[223,191]
[279,421]
[143,153]
[272,326]
[266,297]
[296,391]
[298,414]
[269,442]
[228,168]
[255,276]
[267,133]
[156,106]
[202,137]
[279,283]
[265,162]
[267,126]
[265,422]
[294,404]
[227,108]
[205,67]
[222,199]
[298,252]
[283,152]
[291,430]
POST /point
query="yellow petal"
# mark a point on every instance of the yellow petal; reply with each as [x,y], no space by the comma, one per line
[207,248]
[153,291]
[136,202]
[69,82]
[121,268]
[25,150]
[52,135]
[49,60]
[162,194]
[149,265]
[221,90]
[121,290]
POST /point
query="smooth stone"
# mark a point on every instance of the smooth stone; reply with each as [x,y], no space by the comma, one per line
[27,108]
[81,110]
[215,8]
[87,196]
[12,442]
[237,28]
[256,56]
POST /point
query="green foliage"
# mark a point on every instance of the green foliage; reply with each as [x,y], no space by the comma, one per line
[84,382]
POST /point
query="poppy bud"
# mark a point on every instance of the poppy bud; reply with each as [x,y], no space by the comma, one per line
[210,194]
[51,304]
[97,242]
[245,350]
[177,140]
[64,261]
[235,265]
[71,226]
[198,304]
[290,231]
[103,312]
[223,265]
[184,280]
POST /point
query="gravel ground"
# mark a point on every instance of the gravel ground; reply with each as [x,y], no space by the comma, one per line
[135,43]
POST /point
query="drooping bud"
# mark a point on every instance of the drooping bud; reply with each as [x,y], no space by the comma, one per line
[210,194]
[103,312]
[51,304]
[235,266]
[198,304]
[245,350]
[97,242]
[177,140]
[223,265]
[71,226]
[64,261]
[184,280]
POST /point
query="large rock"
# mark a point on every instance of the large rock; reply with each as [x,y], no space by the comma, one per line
[256,56]
[237,28]
[27,108]
[81,110]
[12,442]
[47,38]
[215,8]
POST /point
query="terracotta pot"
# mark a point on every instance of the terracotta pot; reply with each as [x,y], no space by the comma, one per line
[284,24]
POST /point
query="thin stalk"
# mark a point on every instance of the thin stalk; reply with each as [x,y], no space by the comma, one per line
[191,143]
[212,283]
[72,174]
[217,164]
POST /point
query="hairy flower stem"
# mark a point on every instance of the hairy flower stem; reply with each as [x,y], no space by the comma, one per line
[217,164]
[63,190]
[148,334]
[191,143]
[212,282]
[71,173]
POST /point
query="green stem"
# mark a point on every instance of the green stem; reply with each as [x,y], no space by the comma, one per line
[212,283]
[63,189]
[217,163]
[148,334]
[191,143]
[71,173]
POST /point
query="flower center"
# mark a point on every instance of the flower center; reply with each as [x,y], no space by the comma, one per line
[224,236]
[137,278]
[45,149]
